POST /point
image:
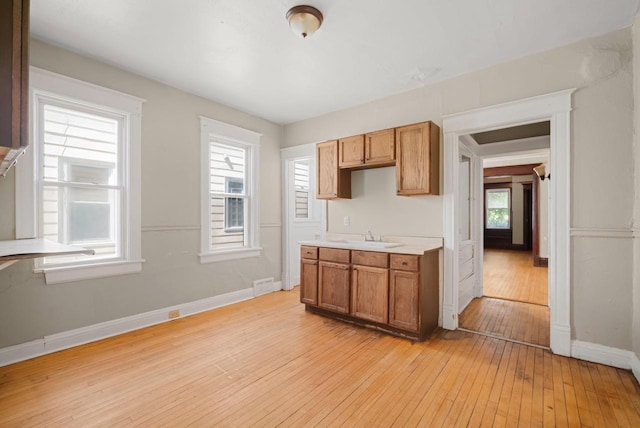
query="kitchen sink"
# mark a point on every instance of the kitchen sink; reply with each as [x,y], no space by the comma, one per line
[367,244]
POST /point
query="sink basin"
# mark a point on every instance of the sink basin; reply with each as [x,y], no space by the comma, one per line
[368,244]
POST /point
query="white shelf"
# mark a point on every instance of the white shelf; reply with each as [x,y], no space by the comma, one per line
[19,249]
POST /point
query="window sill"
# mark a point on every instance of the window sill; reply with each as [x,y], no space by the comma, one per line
[56,275]
[219,256]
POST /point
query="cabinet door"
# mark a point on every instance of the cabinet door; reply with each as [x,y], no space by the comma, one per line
[380,148]
[331,182]
[403,300]
[333,286]
[309,282]
[418,159]
[351,151]
[370,293]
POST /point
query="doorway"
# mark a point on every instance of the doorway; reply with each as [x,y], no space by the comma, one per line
[554,108]
[304,215]
[513,302]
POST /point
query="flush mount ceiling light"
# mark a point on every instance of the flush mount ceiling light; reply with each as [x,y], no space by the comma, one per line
[304,20]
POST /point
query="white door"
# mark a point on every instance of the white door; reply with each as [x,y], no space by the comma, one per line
[303,214]
[470,270]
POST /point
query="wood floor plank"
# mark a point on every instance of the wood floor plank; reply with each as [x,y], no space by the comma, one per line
[266,362]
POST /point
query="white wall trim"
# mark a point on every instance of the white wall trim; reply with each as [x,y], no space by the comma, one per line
[92,333]
[607,355]
[595,232]
[556,108]
[635,366]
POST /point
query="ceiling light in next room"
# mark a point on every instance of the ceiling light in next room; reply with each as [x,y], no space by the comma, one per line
[304,20]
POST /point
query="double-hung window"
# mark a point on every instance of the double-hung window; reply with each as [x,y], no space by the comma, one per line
[230,158]
[80,185]
[498,208]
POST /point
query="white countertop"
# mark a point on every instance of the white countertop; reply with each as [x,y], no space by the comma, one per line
[392,246]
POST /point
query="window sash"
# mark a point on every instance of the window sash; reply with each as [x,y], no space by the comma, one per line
[116,189]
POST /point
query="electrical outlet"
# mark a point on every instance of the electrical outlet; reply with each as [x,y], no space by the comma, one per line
[346,221]
[174,314]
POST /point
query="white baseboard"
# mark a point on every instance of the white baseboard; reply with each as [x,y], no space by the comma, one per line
[607,355]
[635,366]
[277,286]
[80,336]
[560,340]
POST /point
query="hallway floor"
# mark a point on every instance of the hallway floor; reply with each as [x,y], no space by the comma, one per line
[514,306]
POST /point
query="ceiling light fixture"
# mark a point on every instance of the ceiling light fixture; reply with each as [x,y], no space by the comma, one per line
[304,20]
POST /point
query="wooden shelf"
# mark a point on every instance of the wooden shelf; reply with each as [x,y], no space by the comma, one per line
[20,249]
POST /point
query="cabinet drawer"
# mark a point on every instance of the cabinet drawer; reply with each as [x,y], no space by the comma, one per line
[308,252]
[405,262]
[370,258]
[334,255]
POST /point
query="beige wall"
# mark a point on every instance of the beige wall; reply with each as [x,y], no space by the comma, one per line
[602,134]
[636,217]
[172,273]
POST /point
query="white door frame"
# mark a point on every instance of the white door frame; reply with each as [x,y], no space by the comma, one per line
[305,151]
[556,108]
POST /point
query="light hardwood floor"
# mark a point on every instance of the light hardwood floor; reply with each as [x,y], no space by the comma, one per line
[515,302]
[510,275]
[519,321]
[266,362]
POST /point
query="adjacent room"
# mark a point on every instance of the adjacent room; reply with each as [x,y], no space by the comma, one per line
[268,213]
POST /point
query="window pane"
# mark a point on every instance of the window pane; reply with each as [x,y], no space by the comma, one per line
[79,147]
[301,184]
[498,218]
[80,216]
[227,176]
[498,199]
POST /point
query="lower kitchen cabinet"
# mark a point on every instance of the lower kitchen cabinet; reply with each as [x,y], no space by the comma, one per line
[403,299]
[395,293]
[334,286]
[309,281]
[370,293]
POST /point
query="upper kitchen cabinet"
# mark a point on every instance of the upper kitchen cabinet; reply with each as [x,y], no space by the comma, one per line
[418,159]
[14,84]
[380,148]
[332,182]
[351,150]
[367,151]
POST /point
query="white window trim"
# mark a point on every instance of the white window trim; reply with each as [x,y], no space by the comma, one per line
[224,131]
[44,83]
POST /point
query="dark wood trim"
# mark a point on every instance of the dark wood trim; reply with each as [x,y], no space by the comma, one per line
[540,261]
[500,171]
[535,192]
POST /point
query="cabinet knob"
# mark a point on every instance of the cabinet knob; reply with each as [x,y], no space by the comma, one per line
[404,263]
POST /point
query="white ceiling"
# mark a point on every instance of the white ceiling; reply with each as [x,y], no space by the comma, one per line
[241,52]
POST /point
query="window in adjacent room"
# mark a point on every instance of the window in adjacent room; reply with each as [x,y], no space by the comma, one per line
[498,208]
[230,195]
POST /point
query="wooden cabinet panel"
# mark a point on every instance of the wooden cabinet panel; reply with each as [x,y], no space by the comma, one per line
[309,281]
[351,151]
[380,148]
[331,181]
[334,286]
[418,159]
[307,252]
[334,255]
[370,258]
[405,262]
[404,300]
[370,293]
[14,79]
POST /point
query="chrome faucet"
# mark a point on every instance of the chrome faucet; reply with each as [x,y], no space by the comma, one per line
[369,236]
